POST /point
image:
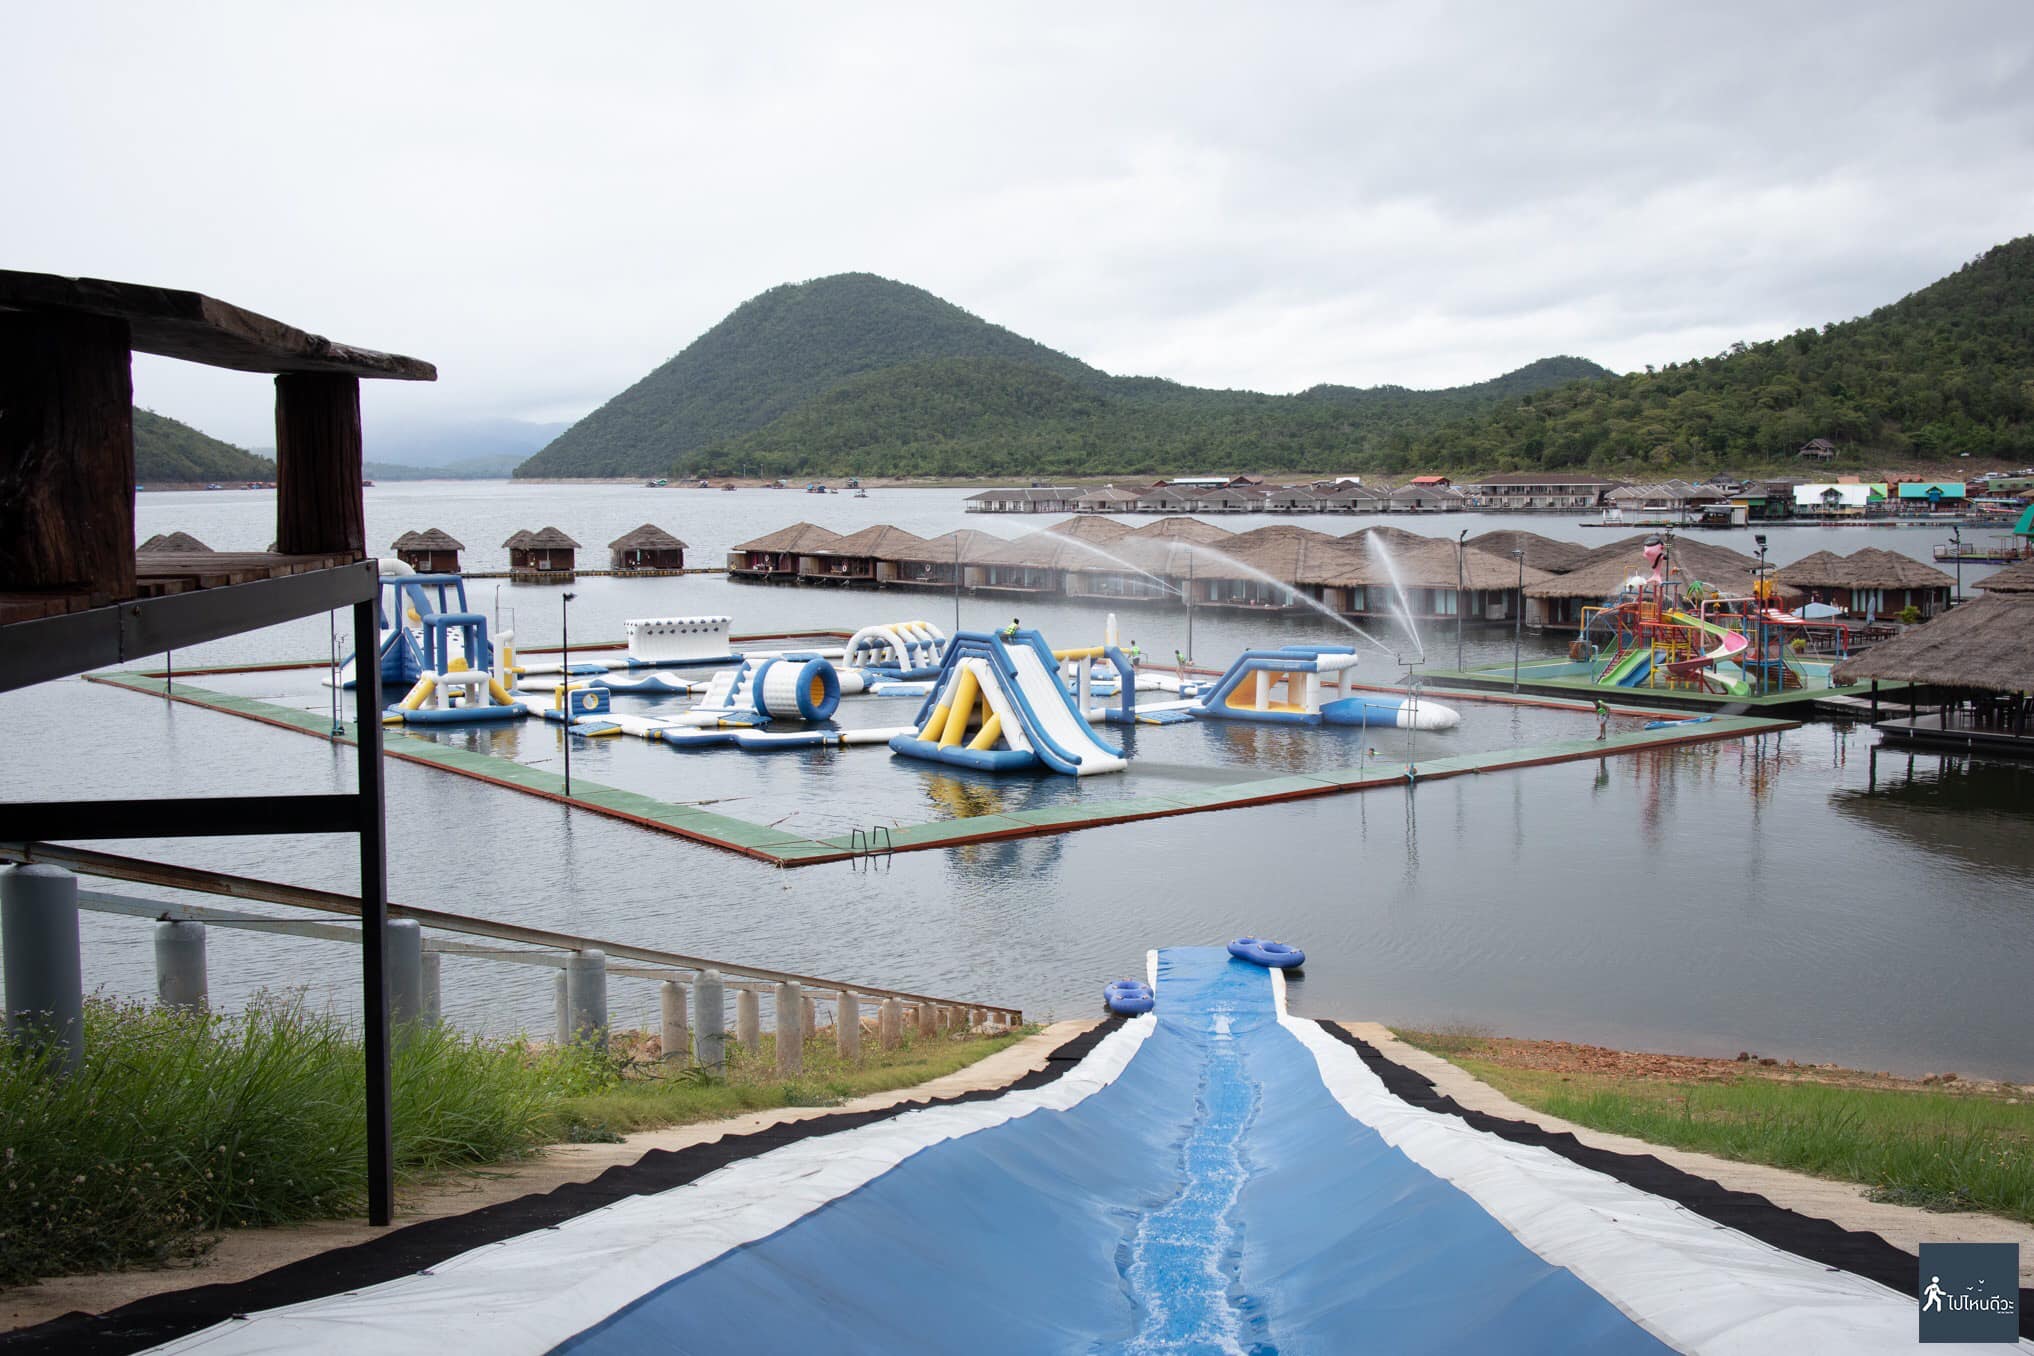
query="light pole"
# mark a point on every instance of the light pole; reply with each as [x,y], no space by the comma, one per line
[1461,555]
[1190,606]
[565,683]
[1759,605]
[1517,616]
[1956,536]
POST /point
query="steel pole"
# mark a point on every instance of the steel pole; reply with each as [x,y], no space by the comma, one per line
[373,914]
[1517,619]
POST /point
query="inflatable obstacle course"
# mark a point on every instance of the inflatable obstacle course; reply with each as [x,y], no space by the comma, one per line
[998,704]
[1311,685]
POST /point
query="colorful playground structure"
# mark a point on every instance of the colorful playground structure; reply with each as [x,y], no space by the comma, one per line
[1000,705]
[1311,685]
[1663,632]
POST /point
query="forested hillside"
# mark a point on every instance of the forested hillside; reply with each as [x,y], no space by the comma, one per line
[1947,370]
[169,452]
[982,417]
[770,354]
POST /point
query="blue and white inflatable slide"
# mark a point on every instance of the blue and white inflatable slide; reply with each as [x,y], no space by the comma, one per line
[1215,1176]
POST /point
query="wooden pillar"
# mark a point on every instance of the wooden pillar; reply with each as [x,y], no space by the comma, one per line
[66,455]
[318,505]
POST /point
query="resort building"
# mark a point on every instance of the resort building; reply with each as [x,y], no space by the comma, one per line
[1108,499]
[647,550]
[1870,583]
[1544,554]
[1165,499]
[868,556]
[779,554]
[940,562]
[1292,499]
[1666,501]
[1414,497]
[1978,657]
[1536,492]
[432,551]
[1351,498]
[1036,499]
[1228,499]
[1919,498]
[541,557]
[1842,499]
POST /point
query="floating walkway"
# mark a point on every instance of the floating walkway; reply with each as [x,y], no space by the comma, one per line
[1216,1176]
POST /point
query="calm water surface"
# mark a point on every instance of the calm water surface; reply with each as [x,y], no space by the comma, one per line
[1802,895]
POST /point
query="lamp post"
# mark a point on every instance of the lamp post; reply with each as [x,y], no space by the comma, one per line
[1517,616]
[1760,604]
[565,682]
[1461,555]
[1956,536]
[1190,606]
[956,582]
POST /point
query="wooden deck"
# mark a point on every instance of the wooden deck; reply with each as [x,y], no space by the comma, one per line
[159,574]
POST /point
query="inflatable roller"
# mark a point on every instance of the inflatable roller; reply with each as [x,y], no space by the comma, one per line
[1270,955]
[1128,997]
[797,689]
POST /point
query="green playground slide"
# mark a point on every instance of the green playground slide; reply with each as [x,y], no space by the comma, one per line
[1733,645]
[1631,670]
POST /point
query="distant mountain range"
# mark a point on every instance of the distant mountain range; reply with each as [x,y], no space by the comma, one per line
[856,373]
[170,452]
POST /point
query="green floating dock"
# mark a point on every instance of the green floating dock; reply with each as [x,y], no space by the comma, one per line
[787,848]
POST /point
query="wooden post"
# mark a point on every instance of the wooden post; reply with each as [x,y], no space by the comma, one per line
[318,504]
[66,455]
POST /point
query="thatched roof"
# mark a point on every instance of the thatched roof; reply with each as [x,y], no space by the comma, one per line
[965,542]
[1426,563]
[1109,494]
[173,541]
[430,539]
[1987,645]
[2013,579]
[879,542]
[1185,529]
[1285,552]
[1602,572]
[648,537]
[1870,568]
[1541,553]
[543,539]
[797,537]
[1089,527]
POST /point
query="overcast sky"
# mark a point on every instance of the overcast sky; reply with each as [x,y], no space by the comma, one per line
[549,200]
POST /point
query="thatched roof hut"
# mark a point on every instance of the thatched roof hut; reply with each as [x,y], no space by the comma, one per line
[1541,553]
[870,554]
[2017,578]
[546,552]
[649,547]
[1100,531]
[1986,646]
[167,542]
[1108,499]
[941,550]
[543,539]
[1185,529]
[1870,568]
[432,551]
[1286,552]
[797,537]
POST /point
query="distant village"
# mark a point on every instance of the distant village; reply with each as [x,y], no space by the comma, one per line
[1722,501]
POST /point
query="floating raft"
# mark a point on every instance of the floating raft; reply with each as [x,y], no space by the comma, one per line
[1217,1175]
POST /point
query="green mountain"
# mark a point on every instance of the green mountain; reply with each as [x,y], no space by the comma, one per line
[858,373]
[1945,371]
[169,452]
[771,354]
[972,416]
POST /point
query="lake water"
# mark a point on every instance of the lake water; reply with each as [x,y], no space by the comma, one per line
[1800,894]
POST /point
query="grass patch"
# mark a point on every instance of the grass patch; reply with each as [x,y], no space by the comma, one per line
[178,1125]
[1940,1151]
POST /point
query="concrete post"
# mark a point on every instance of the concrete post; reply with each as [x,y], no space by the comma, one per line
[677,1040]
[586,996]
[561,1003]
[45,977]
[434,988]
[808,1019]
[924,1023]
[709,1021]
[180,965]
[749,1020]
[790,1029]
[978,1017]
[402,950]
[942,1017]
[847,1027]
[890,1023]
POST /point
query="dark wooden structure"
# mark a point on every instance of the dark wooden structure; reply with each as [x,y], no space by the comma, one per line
[75,594]
[545,556]
[647,550]
[432,551]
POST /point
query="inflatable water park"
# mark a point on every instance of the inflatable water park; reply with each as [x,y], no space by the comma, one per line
[1204,1171]
[994,701]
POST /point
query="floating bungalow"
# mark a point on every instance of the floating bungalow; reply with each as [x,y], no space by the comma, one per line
[542,557]
[783,554]
[1424,495]
[1536,492]
[1108,499]
[647,550]
[1165,499]
[1292,499]
[1978,661]
[1228,499]
[1541,553]
[432,551]
[867,557]
[1034,499]
[171,543]
[1870,583]
[940,562]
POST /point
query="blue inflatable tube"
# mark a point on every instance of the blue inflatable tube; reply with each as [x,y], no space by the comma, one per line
[462,715]
[1271,955]
[956,755]
[1670,724]
[1128,997]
